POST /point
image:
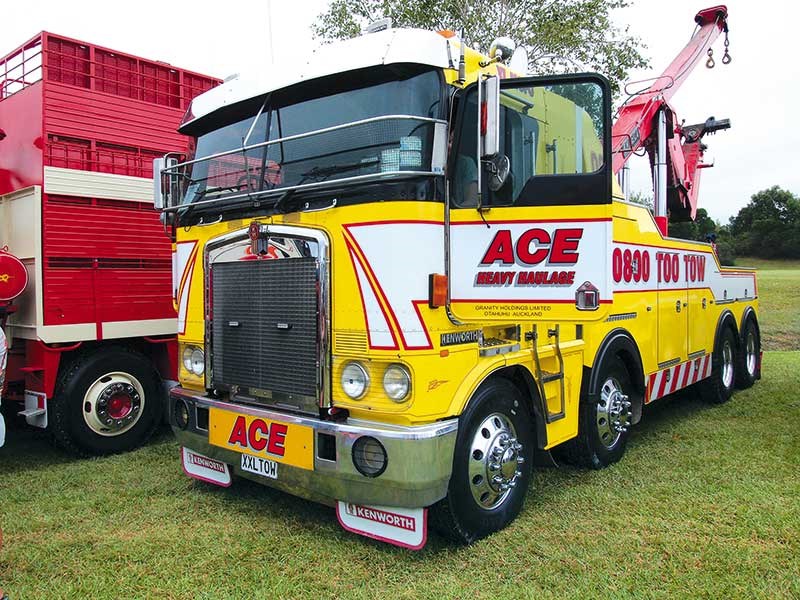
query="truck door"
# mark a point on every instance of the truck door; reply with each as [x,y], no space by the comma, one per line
[672,309]
[529,218]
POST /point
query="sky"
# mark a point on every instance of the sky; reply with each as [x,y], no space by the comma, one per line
[755,91]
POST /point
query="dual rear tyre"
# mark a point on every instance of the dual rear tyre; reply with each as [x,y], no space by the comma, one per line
[734,364]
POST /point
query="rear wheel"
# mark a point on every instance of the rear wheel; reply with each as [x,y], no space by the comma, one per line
[491,465]
[747,365]
[604,419]
[718,388]
[106,402]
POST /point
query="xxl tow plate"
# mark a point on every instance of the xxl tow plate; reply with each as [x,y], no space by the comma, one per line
[286,443]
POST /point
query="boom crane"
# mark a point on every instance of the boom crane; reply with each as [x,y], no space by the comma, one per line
[648,121]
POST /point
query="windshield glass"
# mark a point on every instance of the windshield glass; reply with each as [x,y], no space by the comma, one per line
[270,148]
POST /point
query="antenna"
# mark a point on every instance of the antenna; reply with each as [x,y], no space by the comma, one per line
[462,63]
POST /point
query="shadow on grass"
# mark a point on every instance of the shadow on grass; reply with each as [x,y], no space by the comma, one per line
[29,448]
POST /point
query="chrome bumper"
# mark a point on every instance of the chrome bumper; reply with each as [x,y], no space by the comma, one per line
[418,470]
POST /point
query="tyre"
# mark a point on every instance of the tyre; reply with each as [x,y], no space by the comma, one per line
[718,388]
[603,420]
[747,367]
[491,465]
[106,402]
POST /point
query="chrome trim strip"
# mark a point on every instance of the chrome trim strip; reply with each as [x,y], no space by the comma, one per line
[305,186]
[496,350]
[316,236]
[621,317]
[669,363]
[352,426]
[298,136]
[698,354]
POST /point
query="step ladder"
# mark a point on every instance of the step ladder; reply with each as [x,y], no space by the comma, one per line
[544,377]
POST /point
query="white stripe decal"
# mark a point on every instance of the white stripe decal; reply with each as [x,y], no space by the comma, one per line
[680,376]
[184,269]
[380,335]
[657,385]
[388,251]
[707,366]
[676,378]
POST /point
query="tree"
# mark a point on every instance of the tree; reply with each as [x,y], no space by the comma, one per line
[560,35]
[639,198]
[769,226]
[700,229]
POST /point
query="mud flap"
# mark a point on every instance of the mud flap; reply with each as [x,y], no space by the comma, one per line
[205,469]
[404,527]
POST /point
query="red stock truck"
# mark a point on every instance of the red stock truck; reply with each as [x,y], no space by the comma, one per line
[85,266]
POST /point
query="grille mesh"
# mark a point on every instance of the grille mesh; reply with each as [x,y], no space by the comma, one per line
[253,302]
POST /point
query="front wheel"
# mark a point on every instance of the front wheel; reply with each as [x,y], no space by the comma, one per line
[106,402]
[491,465]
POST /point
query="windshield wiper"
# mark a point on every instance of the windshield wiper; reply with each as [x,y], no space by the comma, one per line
[320,174]
[198,196]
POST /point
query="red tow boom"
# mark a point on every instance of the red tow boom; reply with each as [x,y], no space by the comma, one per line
[637,124]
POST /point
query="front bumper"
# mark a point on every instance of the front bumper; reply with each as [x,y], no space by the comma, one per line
[420,458]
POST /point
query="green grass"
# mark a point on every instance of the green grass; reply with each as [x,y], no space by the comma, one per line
[768,264]
[778,288]
[706,504]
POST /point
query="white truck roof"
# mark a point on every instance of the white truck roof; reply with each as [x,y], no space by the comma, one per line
[386,47]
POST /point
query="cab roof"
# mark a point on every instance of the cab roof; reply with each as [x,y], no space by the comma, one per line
[391,46]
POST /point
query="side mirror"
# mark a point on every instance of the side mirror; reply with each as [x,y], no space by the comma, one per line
[166,182]
[158,188]
[489,116]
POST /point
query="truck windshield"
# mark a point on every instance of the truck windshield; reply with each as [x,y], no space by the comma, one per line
[360,126]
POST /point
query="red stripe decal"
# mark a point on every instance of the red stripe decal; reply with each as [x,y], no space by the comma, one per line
[661,388]
[687,373]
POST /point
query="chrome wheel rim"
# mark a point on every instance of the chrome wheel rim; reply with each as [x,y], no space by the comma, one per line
[727,364]
[113,404]
[494,462]
[613,413]
[751,358]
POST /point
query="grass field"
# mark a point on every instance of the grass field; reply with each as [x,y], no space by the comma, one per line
[779,317]
[706,504]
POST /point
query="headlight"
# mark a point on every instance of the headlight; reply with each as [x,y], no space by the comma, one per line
[198,362]
[187,358]
[194,360]
[355,380]
[396,382]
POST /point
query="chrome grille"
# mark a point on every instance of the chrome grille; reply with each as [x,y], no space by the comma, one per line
[264,332]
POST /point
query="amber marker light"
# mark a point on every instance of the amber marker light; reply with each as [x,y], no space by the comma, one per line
[437,290]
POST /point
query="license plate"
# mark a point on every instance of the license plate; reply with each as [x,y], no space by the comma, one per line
[260,466]
[286,443]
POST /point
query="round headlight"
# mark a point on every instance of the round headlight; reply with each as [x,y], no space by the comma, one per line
[198,362]
[396,382]
[187,358]
[369,456]
[354,380]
